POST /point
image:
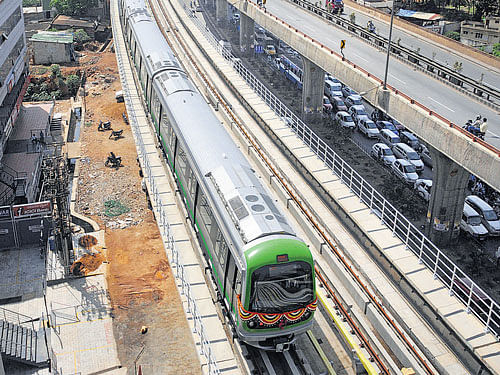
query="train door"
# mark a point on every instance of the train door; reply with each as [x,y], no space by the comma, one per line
[232,284]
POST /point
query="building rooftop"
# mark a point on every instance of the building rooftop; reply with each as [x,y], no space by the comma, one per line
[53,37]
[63,20]
[32,117]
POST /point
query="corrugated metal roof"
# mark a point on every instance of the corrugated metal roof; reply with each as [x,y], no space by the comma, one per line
[420,15]
[53,37]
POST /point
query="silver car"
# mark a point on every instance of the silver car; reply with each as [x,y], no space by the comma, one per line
[423,188]
[405,171]
[368,128]
[382,153]
[358,112]
[403,151]
[344,119]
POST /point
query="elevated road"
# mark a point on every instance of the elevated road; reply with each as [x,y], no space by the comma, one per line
[316,39]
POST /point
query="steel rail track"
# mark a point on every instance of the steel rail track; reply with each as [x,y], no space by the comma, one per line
[297,199]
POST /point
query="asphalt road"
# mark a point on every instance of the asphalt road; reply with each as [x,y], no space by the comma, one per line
[437,96]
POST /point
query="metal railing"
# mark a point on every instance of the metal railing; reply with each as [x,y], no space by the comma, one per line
[17,318]
[161,215]
[457,281]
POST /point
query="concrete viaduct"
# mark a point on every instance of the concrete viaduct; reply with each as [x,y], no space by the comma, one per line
[454,153]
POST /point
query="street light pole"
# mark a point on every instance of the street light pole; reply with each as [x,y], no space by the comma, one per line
[389,46]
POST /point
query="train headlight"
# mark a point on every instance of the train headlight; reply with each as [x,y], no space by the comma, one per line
[251,324]
[307,314]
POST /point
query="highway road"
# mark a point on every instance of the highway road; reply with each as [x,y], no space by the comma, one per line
[437,96]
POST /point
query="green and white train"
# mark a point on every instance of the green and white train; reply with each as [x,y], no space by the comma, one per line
[264,273]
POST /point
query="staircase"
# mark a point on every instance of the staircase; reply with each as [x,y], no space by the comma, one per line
[20,341]
[56,129]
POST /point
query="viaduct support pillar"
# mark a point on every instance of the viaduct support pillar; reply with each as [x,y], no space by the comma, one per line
[221,11]
[312,90]
[246,34]
[447,199]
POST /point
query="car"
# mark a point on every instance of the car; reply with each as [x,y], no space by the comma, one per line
[332,89]
[338,104]
[386,125]
[270,50]
[471,223]
[368,128]
[423,188]
[327,106]
[425,155]
[488,215]
[329,77]
[344,119]
[353,100]
[410,139]
[236,18]
[382,153]
[405,171]
[399,126]
[358,112]
[346,91]
[389,137]
[403,151]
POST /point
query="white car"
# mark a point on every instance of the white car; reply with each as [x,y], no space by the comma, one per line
[405,171]
[368,128]
[471,223]
[382,153]
[423,188]
[344,119]
[403,151]
[353,100]
[358,112]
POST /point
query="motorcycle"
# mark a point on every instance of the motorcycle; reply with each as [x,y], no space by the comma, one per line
[103,126]
[113,161]
[116,134]
[371,27]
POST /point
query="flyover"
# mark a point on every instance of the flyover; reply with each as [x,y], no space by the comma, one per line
[456,149]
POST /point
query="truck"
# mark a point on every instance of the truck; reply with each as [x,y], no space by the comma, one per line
[335,6]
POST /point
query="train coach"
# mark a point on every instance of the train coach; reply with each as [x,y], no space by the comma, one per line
[264,273]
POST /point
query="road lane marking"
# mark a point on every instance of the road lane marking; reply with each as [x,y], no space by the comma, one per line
[362,58]
[434,100]
[396,78]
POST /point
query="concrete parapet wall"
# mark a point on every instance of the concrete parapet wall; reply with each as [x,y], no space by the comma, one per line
[458,147]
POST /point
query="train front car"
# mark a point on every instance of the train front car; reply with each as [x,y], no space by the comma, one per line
[279,298]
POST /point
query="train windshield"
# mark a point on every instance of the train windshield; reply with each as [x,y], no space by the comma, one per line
[280,288]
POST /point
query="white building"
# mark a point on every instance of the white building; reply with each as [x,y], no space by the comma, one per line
[13,65]
[481,34]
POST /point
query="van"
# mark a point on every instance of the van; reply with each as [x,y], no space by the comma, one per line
[471,223]
[389,137]
[488,216]
[403,151]
[332,89]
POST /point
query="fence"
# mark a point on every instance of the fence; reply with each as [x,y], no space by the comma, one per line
[457,281]
[161,215]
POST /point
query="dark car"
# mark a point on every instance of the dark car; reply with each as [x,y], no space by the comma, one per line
[338,104]
[410,139]
[346,91]
[386,125]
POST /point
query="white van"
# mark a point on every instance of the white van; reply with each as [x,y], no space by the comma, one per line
[471,223]
[332,89]
[403,151]
[488,216]
[389,137]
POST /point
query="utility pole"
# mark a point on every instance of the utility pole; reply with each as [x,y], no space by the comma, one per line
[389,46]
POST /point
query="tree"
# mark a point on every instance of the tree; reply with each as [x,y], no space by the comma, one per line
[81,37]
[73,7]
[496,50]
[453,35]
[73,83]
[56,70]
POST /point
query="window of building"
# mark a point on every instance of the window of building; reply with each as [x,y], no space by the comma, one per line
[11,59]
[479,35]
[11,22]
[465,32]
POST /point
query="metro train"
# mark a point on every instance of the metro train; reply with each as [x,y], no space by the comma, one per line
[264,273]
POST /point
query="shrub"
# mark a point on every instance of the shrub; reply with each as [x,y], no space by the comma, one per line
[455,35]
[81,37]
[73,83]
[56,70]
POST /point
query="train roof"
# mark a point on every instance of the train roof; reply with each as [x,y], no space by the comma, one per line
[157,52]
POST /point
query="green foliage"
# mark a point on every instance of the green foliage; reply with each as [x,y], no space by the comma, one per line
[114,208]
[41,97]
[31,3]
[81,37]
[56,70]
[73,83]
[453,35]
[73,7]
[496,50]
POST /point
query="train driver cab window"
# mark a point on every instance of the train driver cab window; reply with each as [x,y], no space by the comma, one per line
[281,287]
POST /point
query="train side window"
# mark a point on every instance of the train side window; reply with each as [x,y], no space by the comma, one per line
[182,166]
[204,213]
[155,106]
[237,286]
[192,184]
[229,280]
[221,249]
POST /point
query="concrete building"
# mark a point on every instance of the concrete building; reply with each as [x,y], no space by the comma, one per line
[52,47]
[62,22]
[481,34]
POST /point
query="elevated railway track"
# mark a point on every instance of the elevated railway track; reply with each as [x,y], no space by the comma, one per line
[227,107]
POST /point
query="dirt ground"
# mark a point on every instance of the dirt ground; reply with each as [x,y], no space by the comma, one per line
[140,281]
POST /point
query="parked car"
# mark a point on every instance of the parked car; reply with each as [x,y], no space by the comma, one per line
[358,112]
[425,155]
[338,104]
[405,171]
[389,137]
[368,128]
[488,216]
[270,50]
[353,100]
[333,89]
[386,125]
[236,18]
[410,139]
[344,119]
[399,126]
[327,106]
[403,151]
[423,188]
[329,77]
[382,153]
[471,223]
[346,91]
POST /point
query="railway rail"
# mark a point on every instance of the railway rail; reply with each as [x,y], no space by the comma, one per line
[314,222]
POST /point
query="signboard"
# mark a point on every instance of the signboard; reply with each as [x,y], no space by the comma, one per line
[39,209]
[259,49]
[5,212]
[342,44]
